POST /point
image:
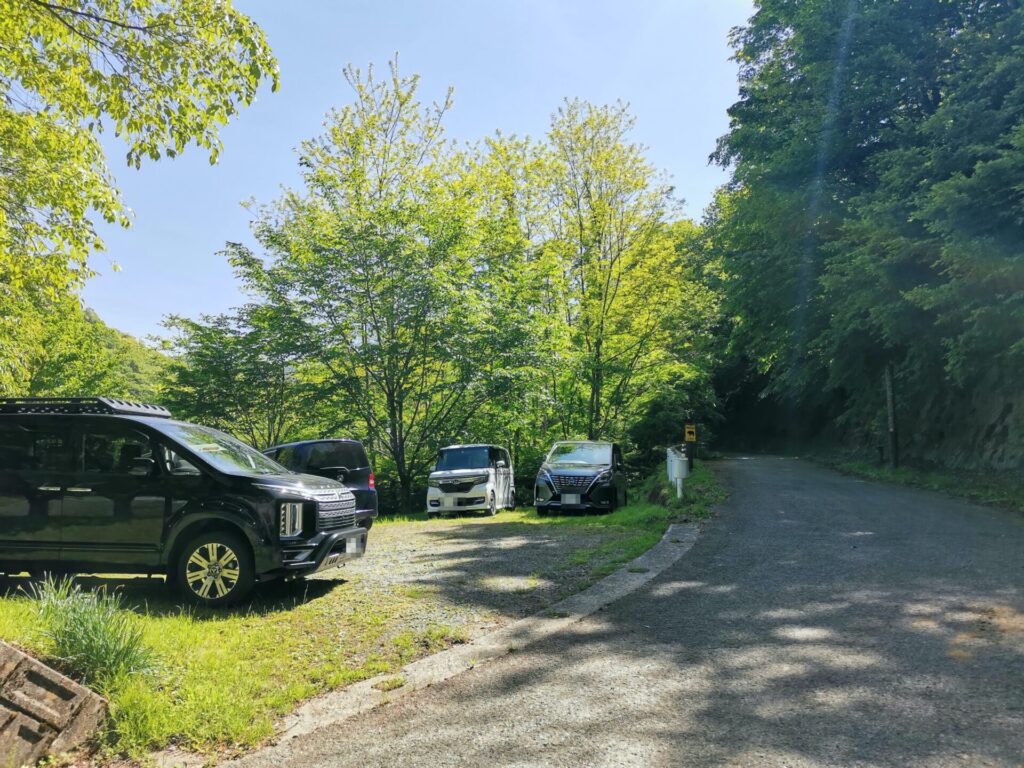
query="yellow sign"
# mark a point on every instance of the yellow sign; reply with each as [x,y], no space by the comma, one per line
[691,433]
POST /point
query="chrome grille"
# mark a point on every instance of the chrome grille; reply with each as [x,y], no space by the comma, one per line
[453,487]
[571,482]
[335,509]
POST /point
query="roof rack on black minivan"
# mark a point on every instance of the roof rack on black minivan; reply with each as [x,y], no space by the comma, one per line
[98,405]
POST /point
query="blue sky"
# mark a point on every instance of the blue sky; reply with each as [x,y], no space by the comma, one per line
[511,63]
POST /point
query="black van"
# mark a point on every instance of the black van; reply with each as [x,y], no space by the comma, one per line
[339,459]
[104,485]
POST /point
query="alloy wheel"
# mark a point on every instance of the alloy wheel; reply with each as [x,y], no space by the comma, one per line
[212,571]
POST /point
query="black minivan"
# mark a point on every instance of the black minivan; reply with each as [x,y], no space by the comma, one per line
[109,486]
[339,459]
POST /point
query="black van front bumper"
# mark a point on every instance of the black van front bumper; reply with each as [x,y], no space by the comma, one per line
[321,552]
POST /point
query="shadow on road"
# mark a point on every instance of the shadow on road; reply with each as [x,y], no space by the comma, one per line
[820,621]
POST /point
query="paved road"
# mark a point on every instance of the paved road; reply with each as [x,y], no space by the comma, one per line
[820,620]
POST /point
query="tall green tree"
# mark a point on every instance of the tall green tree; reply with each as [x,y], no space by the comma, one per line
[79,354]
[873,218]
[159,75]
[616,277]
[242,373]
[376,265]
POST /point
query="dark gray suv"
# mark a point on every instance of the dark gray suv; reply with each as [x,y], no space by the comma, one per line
[581,475]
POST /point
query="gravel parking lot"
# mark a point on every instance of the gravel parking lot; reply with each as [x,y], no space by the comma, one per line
[481,572]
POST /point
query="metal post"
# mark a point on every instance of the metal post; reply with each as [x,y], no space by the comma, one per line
[890,404]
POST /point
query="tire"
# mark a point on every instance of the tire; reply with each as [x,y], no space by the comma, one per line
[492,505]
[542,512]
[215,569]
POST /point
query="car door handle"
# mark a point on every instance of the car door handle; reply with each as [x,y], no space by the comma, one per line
[77,489]
[49,488]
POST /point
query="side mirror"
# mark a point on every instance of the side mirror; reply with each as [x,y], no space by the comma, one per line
[501,464]
[142,467]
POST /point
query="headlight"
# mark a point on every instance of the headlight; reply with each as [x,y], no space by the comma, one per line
[291,518]
[433,482]
[603,477]
[478,480]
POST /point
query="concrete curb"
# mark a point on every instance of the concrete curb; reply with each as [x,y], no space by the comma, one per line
[333,708]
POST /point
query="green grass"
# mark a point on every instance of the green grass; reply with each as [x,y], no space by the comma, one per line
[640,524]
[90,634]
[1002,490]
[390,683]
[222,679]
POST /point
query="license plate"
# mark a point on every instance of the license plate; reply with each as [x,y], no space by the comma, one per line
[354,546]
[571,498]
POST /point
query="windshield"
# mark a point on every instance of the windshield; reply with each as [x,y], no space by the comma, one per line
[580,453]
[222,451]
[463,458]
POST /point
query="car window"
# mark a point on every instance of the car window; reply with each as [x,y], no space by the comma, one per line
[222,451]
[175,464]
[26,446]
[580,453]
[332,455]
[111,450]
[463,458]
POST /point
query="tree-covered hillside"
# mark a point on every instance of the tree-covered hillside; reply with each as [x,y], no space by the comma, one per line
[875,220]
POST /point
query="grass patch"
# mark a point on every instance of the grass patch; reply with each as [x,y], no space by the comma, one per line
[90,634]
[227,676]
[641,524]
[390,683]
[1001,490]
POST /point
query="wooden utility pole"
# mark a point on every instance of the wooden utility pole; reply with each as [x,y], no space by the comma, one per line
[890,404]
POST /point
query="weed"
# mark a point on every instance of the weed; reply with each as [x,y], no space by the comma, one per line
[389,683]
[91,634]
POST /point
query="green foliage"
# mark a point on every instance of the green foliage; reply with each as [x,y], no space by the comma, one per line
[241,373]
[516,291]
[160,75]
[79,355]
[91,633]
[874,216]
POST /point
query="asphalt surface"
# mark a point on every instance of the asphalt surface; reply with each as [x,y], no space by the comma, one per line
[819,620]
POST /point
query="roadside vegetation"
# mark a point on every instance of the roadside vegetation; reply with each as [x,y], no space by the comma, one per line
[215,682]
[994,489]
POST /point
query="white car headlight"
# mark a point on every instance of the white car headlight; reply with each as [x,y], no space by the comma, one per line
[291,518]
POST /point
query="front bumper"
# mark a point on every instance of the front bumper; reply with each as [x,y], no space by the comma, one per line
[598,497]
[473,500]
[324,550]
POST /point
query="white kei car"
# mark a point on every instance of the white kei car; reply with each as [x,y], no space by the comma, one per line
[471,478]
